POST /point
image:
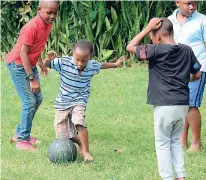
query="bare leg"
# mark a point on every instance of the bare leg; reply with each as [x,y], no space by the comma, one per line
[184,135]
[180,178]
[83,137]
[194,120]
[77,141]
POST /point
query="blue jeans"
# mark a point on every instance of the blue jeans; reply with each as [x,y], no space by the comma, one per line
[30,101]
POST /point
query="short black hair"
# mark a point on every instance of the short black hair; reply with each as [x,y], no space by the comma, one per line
[46,1]
[84,45]
[166,27]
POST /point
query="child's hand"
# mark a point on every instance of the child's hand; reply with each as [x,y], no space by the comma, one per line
[44,70]
[120,61]
[51,55]
[154,24]
[34,86]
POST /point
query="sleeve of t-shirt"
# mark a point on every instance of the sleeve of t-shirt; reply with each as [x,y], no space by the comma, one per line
[145,52]
[28,35]
[97,66]
[195,65]
[56,64]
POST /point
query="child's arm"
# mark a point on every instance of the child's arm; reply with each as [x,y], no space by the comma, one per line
[25,59]
[34,84]
[44,70]
[154,24]
[195,67]
[118,63]
[50,56]
[195,76]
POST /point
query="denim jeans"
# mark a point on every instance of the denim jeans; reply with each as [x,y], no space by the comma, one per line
[30,101]
[168,125]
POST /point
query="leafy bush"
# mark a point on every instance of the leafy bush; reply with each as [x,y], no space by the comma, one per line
[110,25]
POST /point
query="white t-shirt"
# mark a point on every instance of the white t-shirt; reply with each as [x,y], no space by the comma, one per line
[193,34]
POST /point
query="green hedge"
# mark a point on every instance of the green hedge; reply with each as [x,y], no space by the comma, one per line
[108,24]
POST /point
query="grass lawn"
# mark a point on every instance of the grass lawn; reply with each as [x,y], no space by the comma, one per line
[118,119]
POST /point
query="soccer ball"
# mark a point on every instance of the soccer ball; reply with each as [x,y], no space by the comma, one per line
[62,151]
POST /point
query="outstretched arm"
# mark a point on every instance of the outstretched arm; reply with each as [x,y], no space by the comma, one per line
[50,56]
[107,65]
[154,24]
[44,70]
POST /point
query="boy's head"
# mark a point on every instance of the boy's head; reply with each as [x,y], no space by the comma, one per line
[165,30]
[186,7]
[82,52]
[48,10]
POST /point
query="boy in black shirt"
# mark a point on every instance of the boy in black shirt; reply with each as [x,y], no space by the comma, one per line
[170,65]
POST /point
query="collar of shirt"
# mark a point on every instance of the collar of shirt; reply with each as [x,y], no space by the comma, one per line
[174,15]
[89,64]
[41,21]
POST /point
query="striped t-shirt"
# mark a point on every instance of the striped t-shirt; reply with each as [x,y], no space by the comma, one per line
[74,86]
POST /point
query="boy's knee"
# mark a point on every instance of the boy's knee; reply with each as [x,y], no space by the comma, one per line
[29,102]
[33,101]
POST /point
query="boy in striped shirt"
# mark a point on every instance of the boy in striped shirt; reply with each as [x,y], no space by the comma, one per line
[76,73]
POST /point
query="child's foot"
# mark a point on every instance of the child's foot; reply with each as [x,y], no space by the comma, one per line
[194,148]
[32,140]
[25,145]
[88,157]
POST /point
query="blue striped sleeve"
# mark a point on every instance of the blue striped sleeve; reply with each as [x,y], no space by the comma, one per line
[97,66]
[56,64]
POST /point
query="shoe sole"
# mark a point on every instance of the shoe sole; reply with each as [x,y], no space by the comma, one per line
[12,140]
